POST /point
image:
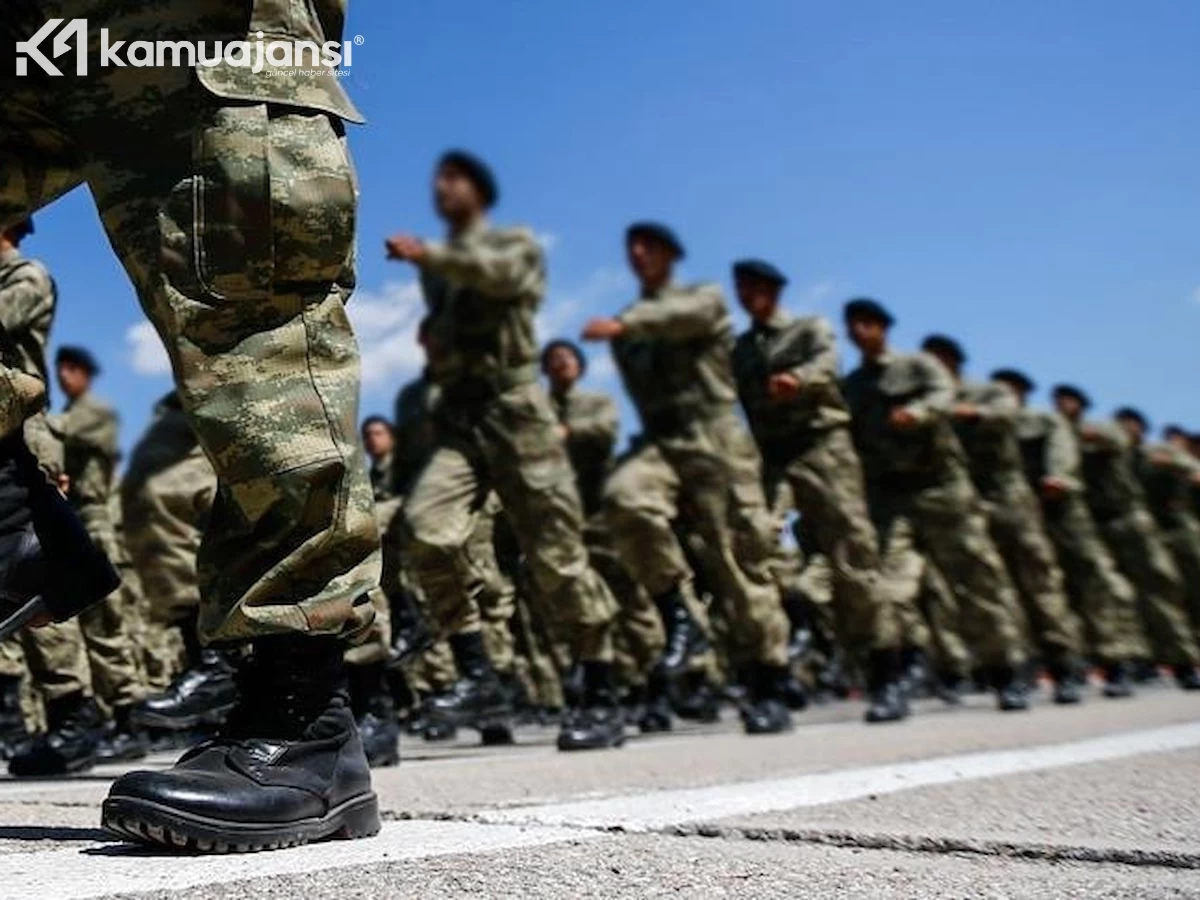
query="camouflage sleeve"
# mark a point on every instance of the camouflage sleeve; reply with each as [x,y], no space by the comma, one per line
[507,265]
[997,403]
[937,396]
[598,427]
[822,370]
[27,298]
[681,316]
[1103,437]
[1062,452]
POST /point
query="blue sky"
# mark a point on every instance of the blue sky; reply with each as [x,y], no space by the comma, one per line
[1020,175]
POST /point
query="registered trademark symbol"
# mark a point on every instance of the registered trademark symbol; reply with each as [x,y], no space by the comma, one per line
[359,39]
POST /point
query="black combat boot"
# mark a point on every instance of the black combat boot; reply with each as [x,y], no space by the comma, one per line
[201,696]
[70,743]
[13,735]
[696,700]
[764,711]
[685,637]
[595,719]
[478,699]
[374,714]
[651,706]
[887,700]
[1012,694]
[1117,683]
[289,767]
[1068,684]
[1187,677]
[122,741]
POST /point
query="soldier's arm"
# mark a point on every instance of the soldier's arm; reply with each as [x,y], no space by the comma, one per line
[27,298]
[1103,437]
[507,265]
[821,370]
[937,394]
[997,404]
[683,316]
[1062,452]
[598,427]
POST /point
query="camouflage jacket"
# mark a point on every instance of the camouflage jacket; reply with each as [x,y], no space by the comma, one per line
[925,453]
[806,348]
[990,440]
[415,432]
[382,478]
[27,303]
[1167,475]
[483,289]
[592,424]
[675,357]
[1113,487]
[1048,448]
[88,429]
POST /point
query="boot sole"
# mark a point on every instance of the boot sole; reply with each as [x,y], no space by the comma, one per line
[569,746]
[145,822]
[214,716]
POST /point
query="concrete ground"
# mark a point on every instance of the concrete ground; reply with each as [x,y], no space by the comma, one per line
[1102,800]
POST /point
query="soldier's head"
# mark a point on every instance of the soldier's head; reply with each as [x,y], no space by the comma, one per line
[1176,436]
[868,324]
[948,351]
[563,363]
[464,188]
[1071,401]
[12,236]
[652,249]
[77,369]
[1133,423]
[377,437]
[1017,381]
[759,286]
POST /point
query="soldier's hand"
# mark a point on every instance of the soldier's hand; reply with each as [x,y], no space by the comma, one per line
[564,432]
[966,411]
[1053,488]
[902,418]
[405,248]
[783,386]
[1089,432]
[602,330]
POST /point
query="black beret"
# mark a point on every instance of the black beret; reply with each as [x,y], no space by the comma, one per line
[77,356]
[759,268]
[1069,390]
[658,232]
[866,308]
[941,345]
[1129,412]
[476,170]
[1016,378]
[375,420]
[22,229]
[1172,431]
[564,344]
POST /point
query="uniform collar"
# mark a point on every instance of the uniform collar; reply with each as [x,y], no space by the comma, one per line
[9,256]
[476,228]
[778,320]
[667,288]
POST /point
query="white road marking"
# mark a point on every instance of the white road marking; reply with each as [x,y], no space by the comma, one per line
[83,872]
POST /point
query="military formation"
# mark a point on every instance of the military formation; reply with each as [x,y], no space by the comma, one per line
[295,589]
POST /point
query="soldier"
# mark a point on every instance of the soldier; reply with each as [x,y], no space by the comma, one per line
[379,441]
[673,347]
[590,424]
[1169,474]
[985,420]
[496,430]
[918,485]
[230,199]
[787,378]
[1118,504]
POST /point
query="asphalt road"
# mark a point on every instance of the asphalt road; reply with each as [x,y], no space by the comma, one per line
[1102,800]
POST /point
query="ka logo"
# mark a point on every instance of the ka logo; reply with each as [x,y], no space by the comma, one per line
[31,49]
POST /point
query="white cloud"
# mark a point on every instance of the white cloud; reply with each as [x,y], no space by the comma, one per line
[818,293]
[1196,296]
[548,239]
[147,355]
[385,322]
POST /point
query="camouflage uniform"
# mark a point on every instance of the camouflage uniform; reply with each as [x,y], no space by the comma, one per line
[809,460]
[674,358]
[496,431]
[1118,504]
[230,200]
[167,496]
[1015,518]
[1169,476]
[920,495]
[592,424]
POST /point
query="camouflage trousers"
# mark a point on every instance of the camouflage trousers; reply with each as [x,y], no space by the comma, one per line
[1143,557]
[824,484]
[1100,595]
[1015,521]
[235,221]
[943,522]
[508,444]
[711,476]
[1183,540]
